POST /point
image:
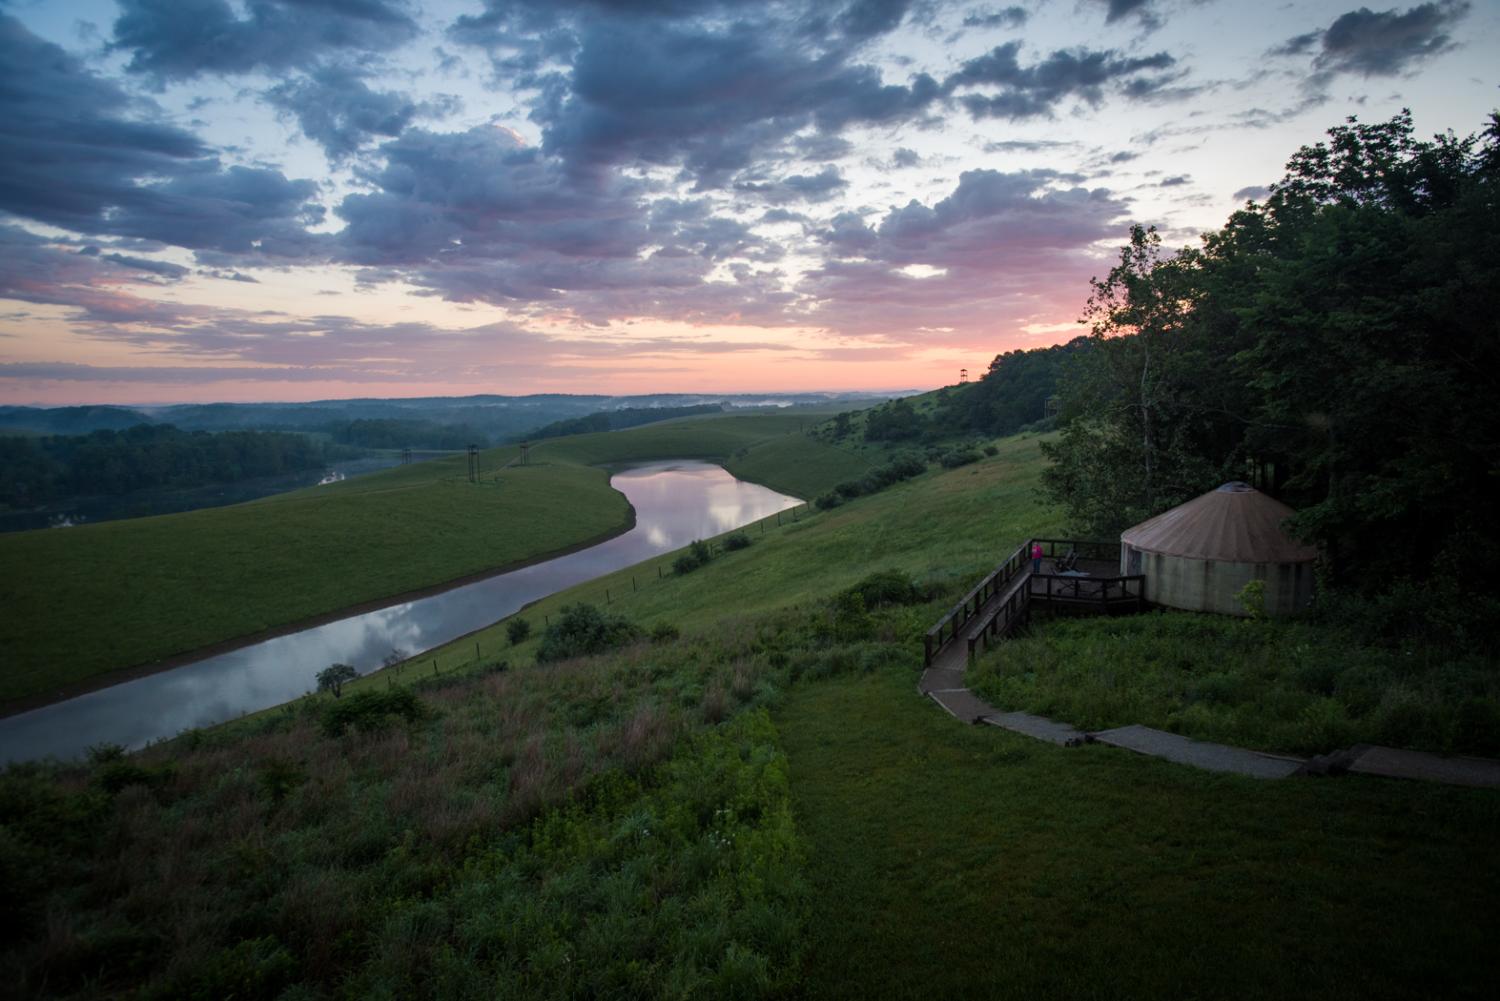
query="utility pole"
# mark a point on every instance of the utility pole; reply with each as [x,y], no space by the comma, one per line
[473,463]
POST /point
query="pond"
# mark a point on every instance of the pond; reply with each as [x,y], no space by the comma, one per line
[675,503]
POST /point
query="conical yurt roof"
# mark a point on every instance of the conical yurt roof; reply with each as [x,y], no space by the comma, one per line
[1235,523]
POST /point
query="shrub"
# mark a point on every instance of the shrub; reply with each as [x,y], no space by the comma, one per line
[737,540]
[959,457]
[828,501]
[582,630]
[697,555]
[1252,598]
[664,632]
[849,489]
[116,775]
[517,630]
[888,587]
[992,450]
[278,777]
[372,710]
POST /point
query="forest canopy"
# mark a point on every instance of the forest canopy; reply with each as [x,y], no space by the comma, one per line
[38,471]
[1337,344]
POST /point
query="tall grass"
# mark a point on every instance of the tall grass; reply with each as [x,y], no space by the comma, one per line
[615,825]
[1306,687]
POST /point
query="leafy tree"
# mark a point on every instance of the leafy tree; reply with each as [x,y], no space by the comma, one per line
[1339,345]
[333,678]
[894,421]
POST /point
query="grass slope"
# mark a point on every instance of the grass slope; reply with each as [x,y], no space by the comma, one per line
[634,824]
[945,528]
[1299,686]
[96,598]
[953,861]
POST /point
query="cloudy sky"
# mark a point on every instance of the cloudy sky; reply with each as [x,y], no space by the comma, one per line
[299,199]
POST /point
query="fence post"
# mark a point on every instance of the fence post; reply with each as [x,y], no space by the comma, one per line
[476,649]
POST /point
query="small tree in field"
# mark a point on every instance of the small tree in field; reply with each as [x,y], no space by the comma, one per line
[333,678]
[517,630]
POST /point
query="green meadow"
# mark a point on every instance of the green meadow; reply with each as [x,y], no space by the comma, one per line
[748,800]
[85,601]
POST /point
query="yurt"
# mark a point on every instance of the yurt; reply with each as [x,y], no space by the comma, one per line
[1199,555]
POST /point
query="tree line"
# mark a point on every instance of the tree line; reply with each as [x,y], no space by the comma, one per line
[1337,344]
[616,420]
[42,470]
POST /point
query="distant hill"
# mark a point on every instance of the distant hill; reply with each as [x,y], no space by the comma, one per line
[70,420]
[495,418]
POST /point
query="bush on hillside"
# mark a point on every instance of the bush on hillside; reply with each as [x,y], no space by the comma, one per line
[903,466]
[516,630]
[828,501]
[737,540]
[958,457]
[372,710]
[698,554]
[888,587]
[582,630]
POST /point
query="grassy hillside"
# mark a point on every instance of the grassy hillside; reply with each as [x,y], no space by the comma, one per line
[88,600]
[761,808]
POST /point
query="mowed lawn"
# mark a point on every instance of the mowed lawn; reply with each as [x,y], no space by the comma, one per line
[86,600]
[961,861]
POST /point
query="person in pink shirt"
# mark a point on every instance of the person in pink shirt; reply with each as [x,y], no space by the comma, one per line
[1036,557]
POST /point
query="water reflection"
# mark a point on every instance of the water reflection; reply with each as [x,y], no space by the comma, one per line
[675,503]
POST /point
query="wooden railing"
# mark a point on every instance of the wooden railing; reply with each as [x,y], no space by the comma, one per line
[1102,591]
[1087,549]
[1081,591]
[995,582]
[1004,619]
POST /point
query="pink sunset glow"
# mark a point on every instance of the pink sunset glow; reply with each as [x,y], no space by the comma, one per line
[601,198]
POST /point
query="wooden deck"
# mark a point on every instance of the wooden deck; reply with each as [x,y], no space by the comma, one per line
[1003,601]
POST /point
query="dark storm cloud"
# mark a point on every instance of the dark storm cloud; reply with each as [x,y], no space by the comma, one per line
[163,269]
[180,39]
[710,100]
[339,111]
[75,157]
[1036,90]
[868,18]
[1009,17]
[512,23]
[479,217]
[481,193]
[797,187]
[1378,43]
[1117,10]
